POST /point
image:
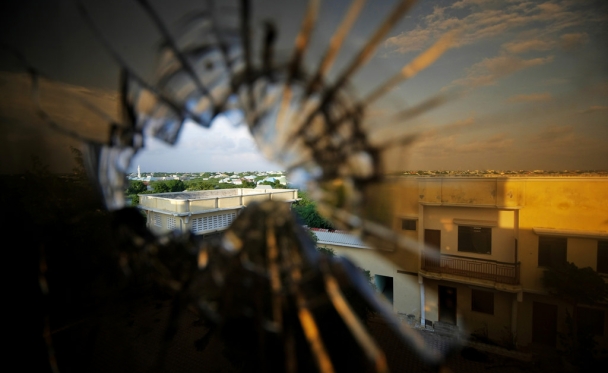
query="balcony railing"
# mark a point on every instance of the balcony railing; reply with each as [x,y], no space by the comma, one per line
[483,269]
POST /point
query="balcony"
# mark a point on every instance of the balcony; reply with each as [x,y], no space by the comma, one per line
[483,269]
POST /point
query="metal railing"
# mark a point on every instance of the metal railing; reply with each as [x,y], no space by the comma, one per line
[483,269]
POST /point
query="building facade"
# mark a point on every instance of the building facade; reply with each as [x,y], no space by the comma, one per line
[482,247]
[204,212]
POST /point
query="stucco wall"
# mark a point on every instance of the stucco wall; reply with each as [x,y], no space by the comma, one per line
[446,219]
[406,295]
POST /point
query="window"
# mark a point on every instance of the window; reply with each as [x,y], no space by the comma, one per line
[214,222]
[158,220]
[552,251]
[384,284]
[408,224]
[602,256]
[475,239]
[590,320]
[482,301]
[171,222]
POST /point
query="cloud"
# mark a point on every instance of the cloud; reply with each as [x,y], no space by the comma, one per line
[573,42]
[534,97]
[593,108]
[466,3]
[414,40]
[553,134]
[489,70]
[517,47]
[481,19]
[438,145]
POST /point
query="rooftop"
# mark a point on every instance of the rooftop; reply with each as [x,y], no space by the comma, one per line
[216,193]
[338,238]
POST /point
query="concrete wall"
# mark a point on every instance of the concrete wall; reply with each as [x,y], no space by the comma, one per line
[447,219]
[513,207]
[577,204]
[406,295]
[467,320]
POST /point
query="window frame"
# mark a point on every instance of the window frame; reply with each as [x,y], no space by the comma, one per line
[406,221]
[467,248]
[547,251]
[479,305]
[158,220]
[171,223]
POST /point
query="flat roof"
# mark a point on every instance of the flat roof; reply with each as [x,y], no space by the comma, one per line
[215,193]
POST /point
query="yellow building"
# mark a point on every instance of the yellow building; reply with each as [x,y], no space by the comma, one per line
[204,212]
[483,244]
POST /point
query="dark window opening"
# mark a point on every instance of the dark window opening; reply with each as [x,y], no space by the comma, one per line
[408,224]
[482,301]
[384,284]
[475,240]
[590,320]
[552,251]
[602,256]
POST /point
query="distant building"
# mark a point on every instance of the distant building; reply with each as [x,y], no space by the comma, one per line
[483,245]
[206,211]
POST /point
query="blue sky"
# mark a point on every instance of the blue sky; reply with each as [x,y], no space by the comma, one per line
[530,80]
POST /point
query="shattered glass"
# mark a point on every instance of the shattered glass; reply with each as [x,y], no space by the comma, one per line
[306,112]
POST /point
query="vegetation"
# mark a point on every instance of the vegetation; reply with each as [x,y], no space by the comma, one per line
[354,299]
[168,186]
[306,209]
[577,286]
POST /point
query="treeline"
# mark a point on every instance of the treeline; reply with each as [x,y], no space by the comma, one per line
[170,186]
[306,209]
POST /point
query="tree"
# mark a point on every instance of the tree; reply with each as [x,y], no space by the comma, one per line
[160,187]
[306,209]
[176,185]
[577,286]
[136,187]
[168,186]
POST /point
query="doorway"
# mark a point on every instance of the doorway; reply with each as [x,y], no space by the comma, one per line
[447,304]
[544,324]
[384,284]
[432,241]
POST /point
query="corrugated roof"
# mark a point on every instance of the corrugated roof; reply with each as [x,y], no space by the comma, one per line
[339,238]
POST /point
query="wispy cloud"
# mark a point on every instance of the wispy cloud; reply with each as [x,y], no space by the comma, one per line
[489,70]
[593,108]
[490,18]
[517,47]
[534,97]
[573,42]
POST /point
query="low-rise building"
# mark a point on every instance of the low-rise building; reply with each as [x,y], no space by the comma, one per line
[482,247]
[206,211]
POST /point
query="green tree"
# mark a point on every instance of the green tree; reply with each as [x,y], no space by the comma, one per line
[168,186]
[160,187]
[306,209]
[311,217]
[136,187]
[176,185]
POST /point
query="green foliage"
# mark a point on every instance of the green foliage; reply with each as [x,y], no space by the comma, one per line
[311,217]
[306,209]
[327,251]
[201,185]
[168,186]
[136,187]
